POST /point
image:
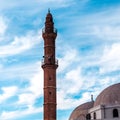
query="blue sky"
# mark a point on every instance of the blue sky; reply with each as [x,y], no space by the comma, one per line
[87,47]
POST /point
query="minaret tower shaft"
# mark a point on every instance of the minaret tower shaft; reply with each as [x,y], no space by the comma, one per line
[49,66]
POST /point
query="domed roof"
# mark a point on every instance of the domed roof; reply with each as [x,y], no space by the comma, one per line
[109,96]
[81,110]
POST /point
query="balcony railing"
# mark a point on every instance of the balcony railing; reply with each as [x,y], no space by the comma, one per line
[54,30]
[43,62]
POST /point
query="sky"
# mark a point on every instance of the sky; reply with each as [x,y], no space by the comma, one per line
[87,48]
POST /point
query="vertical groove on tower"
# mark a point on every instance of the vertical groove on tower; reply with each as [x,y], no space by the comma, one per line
[49,66]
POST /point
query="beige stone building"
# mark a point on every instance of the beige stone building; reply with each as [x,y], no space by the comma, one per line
[105,107]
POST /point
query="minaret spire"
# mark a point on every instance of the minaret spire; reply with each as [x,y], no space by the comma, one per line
[49,66]
[92,98]
[48,10]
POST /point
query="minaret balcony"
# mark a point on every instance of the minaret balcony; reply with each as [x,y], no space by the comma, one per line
[47,62]
[49,31]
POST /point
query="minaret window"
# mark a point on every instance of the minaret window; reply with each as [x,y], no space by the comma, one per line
[115,113]
[49,78]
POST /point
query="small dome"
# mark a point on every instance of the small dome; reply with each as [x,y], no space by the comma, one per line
[81,111]
[109,96]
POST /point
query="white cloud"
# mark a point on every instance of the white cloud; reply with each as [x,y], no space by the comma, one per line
[67,102]
[75,81]
[26,96]
[36,83]
[64,102]
[17,114]
[34,90]
[110,61]
[70,56]
[3,26]
[20,44]
[59,3]
[8,92]
[107,32]
[23,98]
[19,72]
[41,4]
[103,24]
[71,80]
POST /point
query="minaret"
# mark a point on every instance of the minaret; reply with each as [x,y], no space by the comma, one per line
[49,66]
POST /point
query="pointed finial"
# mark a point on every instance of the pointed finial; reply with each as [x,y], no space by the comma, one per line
[48,10]
[92,98]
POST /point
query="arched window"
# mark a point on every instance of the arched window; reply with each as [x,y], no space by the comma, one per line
[115,113]
[94,115]
[88,117]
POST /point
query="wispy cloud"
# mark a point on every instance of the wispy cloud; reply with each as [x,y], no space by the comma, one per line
[7,92]
[67,59]
[87,49]
[34,90]
[3,27]
[20,44]
[110,61]
[26,97]
[18,114]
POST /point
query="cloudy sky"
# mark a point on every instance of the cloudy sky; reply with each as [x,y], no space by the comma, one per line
[87,47]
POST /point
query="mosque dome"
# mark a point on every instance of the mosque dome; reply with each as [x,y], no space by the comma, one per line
[81,111]
[109,96]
